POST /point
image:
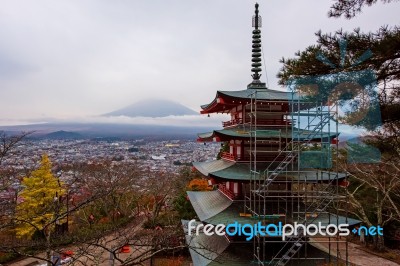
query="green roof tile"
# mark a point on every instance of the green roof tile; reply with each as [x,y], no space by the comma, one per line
[212,166]
[208,203]
[242,131]
[262,94]
[241,171]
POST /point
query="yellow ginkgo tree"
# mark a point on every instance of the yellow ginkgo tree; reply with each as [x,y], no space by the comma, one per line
[39,207]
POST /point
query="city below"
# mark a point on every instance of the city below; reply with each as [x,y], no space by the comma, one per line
[165,156]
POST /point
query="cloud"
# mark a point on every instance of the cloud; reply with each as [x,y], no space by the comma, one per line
[185,120]
[213,121]
[72,58]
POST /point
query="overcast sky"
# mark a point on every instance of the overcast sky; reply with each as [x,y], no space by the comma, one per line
[74,58]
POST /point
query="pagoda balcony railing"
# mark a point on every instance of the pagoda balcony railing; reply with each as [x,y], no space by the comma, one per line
[226,192]
[230,157]
[233,122]
[260,157]
[260,122]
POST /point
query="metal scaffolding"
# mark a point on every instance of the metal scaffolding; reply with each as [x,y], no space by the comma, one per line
[280,191]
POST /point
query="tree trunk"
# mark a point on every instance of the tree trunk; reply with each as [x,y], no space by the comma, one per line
[362,237]
[380,245]
[378,239]
[48,249]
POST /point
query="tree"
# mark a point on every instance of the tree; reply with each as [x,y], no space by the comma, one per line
[8,175]
[224,148]
[8,143]
[147,223]
[350,8]
[199,184]
[39,207]
[374,191]
[122,199]
[378,51]
[181,202]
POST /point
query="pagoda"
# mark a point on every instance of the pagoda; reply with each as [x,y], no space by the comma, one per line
[275,166]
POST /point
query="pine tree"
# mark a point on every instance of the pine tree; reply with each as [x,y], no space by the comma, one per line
[350,8]
[380,180]
[384,47]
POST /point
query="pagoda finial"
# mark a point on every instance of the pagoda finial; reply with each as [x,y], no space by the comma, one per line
[256,18]
[256,51]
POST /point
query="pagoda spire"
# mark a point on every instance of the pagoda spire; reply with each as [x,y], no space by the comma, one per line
[256,51]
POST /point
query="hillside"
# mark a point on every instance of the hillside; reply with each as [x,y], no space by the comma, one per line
[61,134]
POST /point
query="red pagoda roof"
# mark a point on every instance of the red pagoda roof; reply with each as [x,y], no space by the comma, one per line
[225,100]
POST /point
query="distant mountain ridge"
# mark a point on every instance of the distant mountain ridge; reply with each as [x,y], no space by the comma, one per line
[61,134]
[103,130]
[153,108]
